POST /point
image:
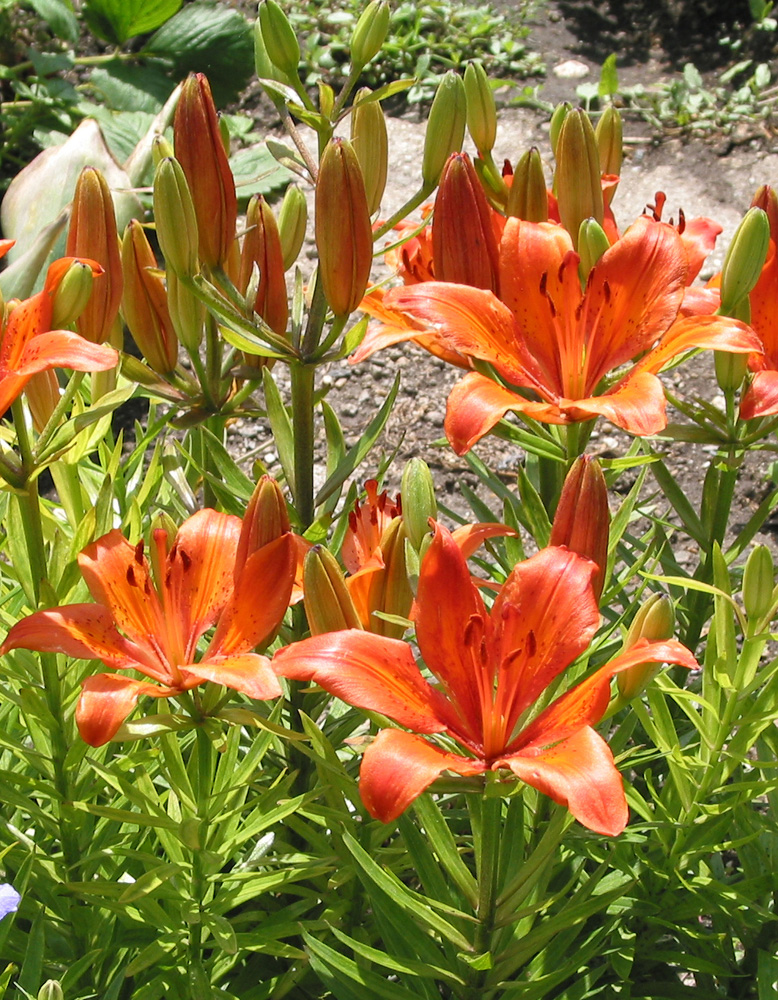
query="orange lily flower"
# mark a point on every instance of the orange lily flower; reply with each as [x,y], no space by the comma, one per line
[28,344]
[491,668]
[155,627]
[553,345]
[761,398]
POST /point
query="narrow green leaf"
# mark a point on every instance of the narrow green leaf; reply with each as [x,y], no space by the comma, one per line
[149,881]
[372,985]
[679,502]
[280,424]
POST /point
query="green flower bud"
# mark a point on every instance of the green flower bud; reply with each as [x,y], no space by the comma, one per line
[610,141]
[655,621]
[369,33]
[160,149]
[417,492]
[745,259]
[731,369]
[328,604]
[558,116]
[187,312]
[371,144]
[578,181]
[527,195]
[758,582]
[175,217]
[72,295]
[281,43]
[445,128]
[592,244]
[481,109]
[51,990]
[292,223]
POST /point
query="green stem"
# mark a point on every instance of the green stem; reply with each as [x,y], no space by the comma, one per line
[302,425]
[486,815]
[29,504]
[401,212]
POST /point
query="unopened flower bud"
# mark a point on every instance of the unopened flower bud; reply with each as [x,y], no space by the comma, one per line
[73,294]
[371,144]
[292,223]
[144,303]
[582,518]
[187,312]
[745,259]
[592,244]
[344,236]
[758,582]
[93,234]
[464,243]
[174,214]
[445,128]
[481,109]
[390,590]
[766,199]
[326,99]
[51,990]
[418,500]
[42,394]
[265,520]
[610,143]
[281,43]
[328,604]
[527,195]
[577,178]
[655,621]
[730,368]
[160,149]
[262,246]
[200,150]
[369,34]
[558,116]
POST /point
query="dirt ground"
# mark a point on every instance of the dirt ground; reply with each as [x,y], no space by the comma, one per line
[716,179]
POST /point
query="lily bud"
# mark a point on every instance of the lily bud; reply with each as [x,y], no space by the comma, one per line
[730,368]
[144,303]
[344,236]
[371,144]
[72,294]
[766,199]
[464,244]
[582,517]
[187,312]
[200,151]
[481,109]
[292,223]
[578,182]
[174,214]
[758,582]
[417,491]
[93,234]
[328,604]
[390,590]
[655,620]
[160,149]
[445,128]
[51,990]
[527,195]
[592,244]
[745,259]
[42,393]
[369,34]
[281,43]
[265,520]
[262,246]
[610,143]
[558,116]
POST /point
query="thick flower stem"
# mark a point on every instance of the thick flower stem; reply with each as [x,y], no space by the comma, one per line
[302,424]
[486,817]
[29,504]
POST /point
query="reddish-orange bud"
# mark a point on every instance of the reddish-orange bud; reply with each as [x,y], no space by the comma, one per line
[766,199]
[266,519]
[93,234]
[262,246]
[144,303]
[464,243]
[582,517]
[344,236]
[200,151]
[328,604]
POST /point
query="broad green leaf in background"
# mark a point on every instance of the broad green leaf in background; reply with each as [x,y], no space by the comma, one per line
[256,171]
[117,20]
[210,38]
[59,16]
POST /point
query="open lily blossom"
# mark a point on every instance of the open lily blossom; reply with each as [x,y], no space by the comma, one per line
[154,626]
[552,345]
[28,345]
[490,669]
[761,397]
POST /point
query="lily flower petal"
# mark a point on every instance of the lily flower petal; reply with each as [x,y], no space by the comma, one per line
[713,333]
[761,397]
[250,673]
[105,702]
[397,767]
[637,405]
[369,671]
[578,773]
